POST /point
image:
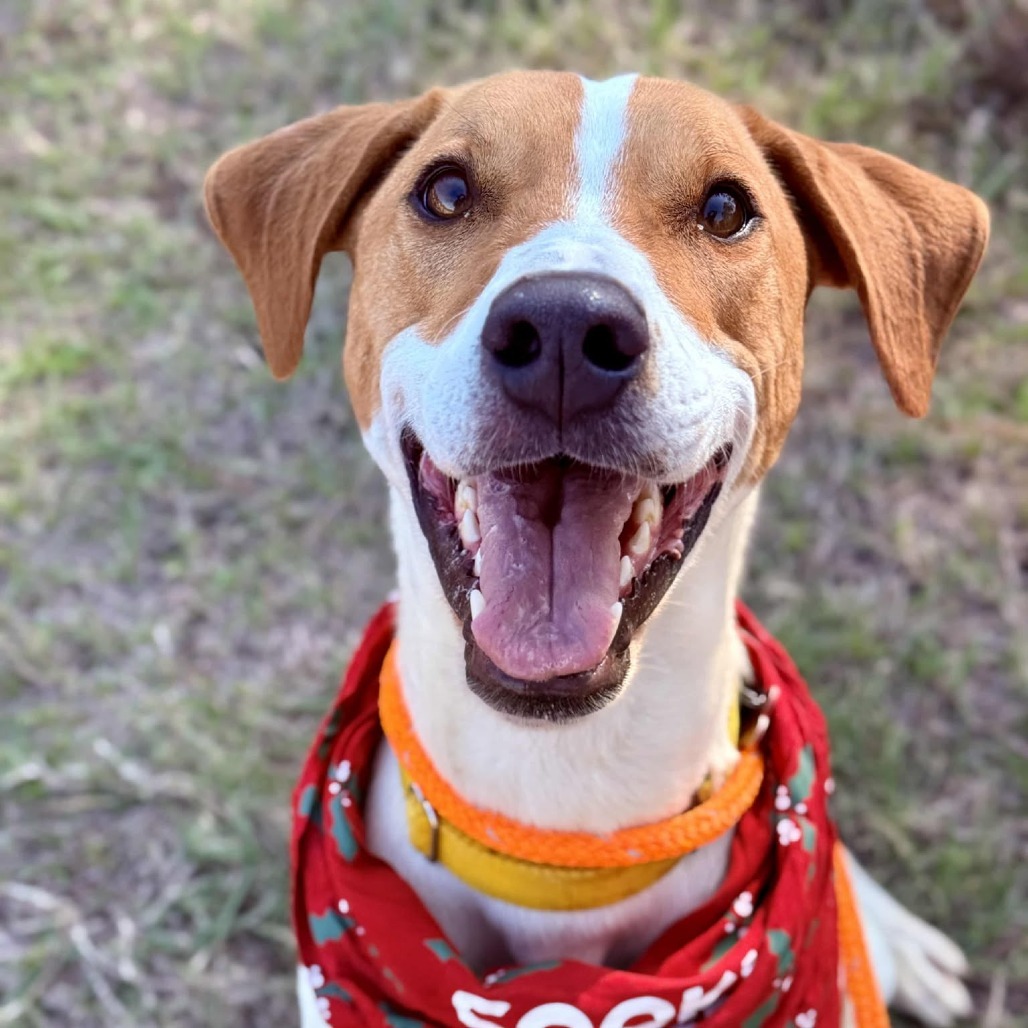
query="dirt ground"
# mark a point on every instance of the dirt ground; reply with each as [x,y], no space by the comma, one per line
[188,549]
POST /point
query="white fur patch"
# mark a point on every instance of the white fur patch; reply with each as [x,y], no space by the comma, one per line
[601,135]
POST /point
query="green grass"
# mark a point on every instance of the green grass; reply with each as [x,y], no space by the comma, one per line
[187,549]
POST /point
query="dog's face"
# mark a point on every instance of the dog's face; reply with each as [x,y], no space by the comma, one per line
[575,331]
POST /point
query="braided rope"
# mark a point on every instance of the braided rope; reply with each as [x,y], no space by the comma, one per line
[663,840]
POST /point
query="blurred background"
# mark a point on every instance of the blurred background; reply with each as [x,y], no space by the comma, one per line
[187,550]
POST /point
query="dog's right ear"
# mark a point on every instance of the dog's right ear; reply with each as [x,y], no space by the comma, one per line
[279,204]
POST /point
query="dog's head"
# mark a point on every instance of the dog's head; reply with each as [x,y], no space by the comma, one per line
[575,328]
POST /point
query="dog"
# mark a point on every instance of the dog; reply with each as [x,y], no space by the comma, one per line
[574,349]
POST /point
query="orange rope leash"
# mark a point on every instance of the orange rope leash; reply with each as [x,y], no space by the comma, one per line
[673,837]
[861,984]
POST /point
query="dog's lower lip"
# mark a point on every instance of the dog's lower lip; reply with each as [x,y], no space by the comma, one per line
[560,699]
[562,696]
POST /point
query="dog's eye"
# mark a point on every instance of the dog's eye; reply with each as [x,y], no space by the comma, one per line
[446,193]
[725,212]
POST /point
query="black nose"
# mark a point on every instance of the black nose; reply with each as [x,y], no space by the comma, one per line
[564,342]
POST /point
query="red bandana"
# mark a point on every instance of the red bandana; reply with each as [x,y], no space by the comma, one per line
[762,952]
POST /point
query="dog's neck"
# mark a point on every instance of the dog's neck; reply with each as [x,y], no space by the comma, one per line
[638,760]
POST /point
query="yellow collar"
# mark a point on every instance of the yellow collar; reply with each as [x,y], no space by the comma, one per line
[500,857]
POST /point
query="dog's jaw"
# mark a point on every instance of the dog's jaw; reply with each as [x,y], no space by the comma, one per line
[537,561]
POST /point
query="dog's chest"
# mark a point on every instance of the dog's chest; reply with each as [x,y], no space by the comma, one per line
[491,933]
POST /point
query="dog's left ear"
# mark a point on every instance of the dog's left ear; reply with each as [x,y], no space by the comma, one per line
[279,204]
[907,241]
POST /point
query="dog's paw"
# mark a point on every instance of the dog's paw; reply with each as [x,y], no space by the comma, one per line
[919,969]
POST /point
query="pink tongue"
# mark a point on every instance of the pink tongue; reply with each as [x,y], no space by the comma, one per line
[549,575]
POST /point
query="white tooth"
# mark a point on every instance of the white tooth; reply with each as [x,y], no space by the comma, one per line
[477,601]
[647,510]
[639,544]
[465,499]
[616,610]
[469,532]
[647,506]
[627,572]
[477,566]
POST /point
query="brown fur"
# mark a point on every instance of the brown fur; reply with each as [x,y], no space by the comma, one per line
[279,205]
[746,296]
[833,214]
[907,241]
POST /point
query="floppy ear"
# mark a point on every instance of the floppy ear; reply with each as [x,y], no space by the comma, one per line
[281,203]
[907,241]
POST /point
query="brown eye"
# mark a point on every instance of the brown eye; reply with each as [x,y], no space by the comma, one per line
[725,213]
[446,194]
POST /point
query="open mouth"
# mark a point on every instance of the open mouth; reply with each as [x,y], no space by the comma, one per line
[552,567]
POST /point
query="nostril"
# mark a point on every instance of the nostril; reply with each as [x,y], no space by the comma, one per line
[523,346]
[601,349]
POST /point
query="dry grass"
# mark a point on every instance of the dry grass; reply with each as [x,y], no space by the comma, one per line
[186,550]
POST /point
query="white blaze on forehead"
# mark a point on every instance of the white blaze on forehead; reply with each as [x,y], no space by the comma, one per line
[600,137]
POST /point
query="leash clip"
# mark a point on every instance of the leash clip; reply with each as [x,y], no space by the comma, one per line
[761,704]
[431,817]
